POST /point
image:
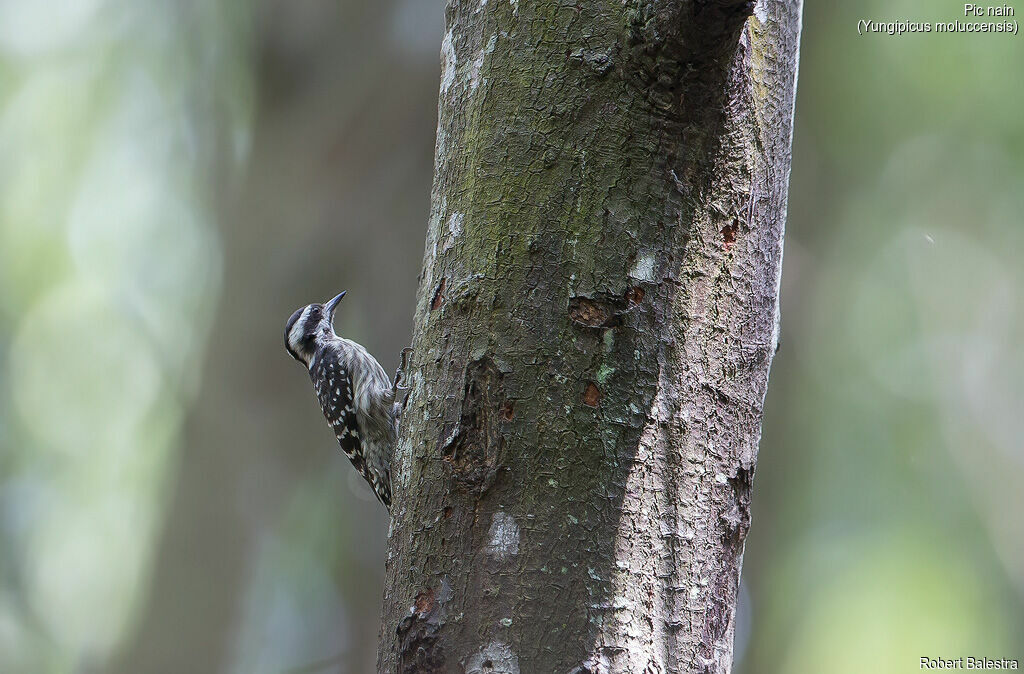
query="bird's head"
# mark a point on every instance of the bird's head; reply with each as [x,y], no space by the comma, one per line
[306,325]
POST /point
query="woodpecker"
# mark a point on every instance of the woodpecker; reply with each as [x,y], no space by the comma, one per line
[360,403]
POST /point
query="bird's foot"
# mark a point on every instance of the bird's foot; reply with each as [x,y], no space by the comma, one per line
[400,391]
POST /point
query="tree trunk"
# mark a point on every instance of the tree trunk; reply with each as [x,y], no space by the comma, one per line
[597,314]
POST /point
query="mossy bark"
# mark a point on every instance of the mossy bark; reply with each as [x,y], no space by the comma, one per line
[597,314]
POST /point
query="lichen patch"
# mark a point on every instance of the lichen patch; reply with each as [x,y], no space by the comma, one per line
[496,657]
[503,536]
[448,62]
[643,268]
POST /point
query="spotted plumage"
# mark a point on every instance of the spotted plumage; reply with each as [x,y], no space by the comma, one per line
[357,398]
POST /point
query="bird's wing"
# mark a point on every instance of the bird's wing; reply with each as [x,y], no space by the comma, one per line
[334,391]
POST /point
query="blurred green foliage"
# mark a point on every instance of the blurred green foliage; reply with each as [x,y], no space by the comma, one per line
[112,116]
[887,499]
[179,176]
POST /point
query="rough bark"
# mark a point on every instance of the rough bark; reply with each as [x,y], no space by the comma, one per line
[597,314]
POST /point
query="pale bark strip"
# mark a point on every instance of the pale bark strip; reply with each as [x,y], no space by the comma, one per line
[595,323]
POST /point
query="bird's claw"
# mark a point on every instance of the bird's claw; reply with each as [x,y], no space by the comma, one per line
[397,387]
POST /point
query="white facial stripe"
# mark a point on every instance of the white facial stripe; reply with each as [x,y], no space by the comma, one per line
[298,328]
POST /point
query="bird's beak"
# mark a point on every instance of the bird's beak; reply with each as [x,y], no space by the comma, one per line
[329,307]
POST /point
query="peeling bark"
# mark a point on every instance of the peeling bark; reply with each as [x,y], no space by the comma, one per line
[597,314]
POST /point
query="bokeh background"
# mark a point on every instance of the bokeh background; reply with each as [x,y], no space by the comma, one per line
[176,178]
